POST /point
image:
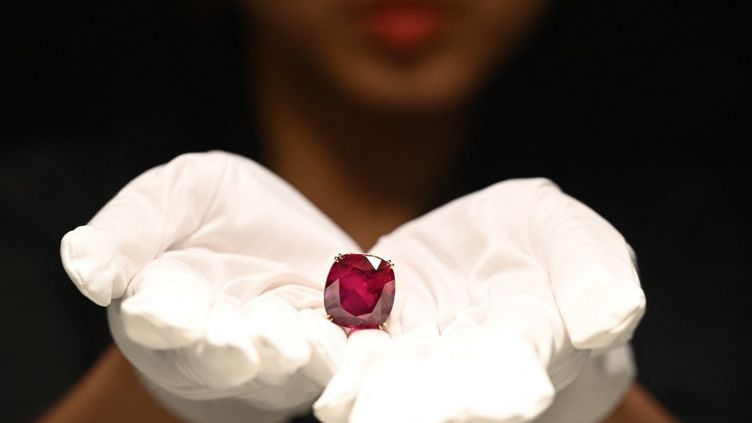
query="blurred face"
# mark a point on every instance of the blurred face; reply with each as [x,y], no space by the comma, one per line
[414,55]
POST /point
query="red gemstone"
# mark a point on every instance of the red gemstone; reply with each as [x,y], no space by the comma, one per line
[359,291]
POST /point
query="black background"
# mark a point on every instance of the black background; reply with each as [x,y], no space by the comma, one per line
[639,109]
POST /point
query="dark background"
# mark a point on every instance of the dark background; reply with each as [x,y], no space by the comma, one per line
[639,109]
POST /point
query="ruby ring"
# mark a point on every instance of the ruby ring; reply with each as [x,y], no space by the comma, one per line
[359,291]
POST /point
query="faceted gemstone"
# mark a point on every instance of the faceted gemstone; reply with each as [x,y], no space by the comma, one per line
[359,291]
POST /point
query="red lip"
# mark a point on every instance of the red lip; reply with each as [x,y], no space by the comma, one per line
[404,25]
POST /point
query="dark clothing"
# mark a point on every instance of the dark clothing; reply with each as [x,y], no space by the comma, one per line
[590,105]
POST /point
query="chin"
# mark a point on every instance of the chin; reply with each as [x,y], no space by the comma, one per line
[432,100]
[426,90]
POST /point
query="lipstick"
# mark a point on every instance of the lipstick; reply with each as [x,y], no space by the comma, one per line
[404,25]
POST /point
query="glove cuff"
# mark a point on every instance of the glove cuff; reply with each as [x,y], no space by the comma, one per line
[596,392]
[225,410]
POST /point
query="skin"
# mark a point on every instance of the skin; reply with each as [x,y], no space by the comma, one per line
[332,95]
[328,40]
[316,63]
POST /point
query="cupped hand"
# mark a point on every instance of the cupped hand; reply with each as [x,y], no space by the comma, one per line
[502,297]
[212,268]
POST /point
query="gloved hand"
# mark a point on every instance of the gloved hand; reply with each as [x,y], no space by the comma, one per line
[501,297]
[220,267]
[214,268]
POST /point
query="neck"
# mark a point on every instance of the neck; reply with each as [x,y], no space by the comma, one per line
[369,171]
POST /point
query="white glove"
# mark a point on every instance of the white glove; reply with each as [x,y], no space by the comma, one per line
[501,296]
[221,264]
[215,266]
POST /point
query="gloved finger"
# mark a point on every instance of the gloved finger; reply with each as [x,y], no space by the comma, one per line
[412,382]
[150,213]
[167,305]
[472,375]
[327,343]
[336,402]
[164,367]
[225,358]
[515,292]
[275,332]
[593,275]
[503,379]
[594,394]
[521,341]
